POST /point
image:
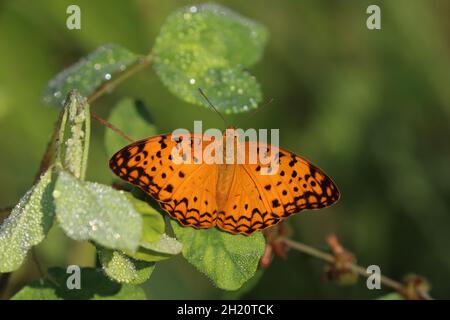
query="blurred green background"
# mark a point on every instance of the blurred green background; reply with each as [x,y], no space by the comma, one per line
[372,108]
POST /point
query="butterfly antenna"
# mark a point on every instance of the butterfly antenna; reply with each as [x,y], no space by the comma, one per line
[212,106]
[260,108]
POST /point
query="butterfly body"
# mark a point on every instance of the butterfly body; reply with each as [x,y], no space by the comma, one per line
[234,196]
[224,182]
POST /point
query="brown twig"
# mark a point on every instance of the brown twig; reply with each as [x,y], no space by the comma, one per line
[331,259]
[49,152]
[108,86]
[110,126]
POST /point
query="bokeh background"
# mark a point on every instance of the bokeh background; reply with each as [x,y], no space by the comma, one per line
[372,108]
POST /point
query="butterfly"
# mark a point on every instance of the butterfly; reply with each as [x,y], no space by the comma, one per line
[236,197]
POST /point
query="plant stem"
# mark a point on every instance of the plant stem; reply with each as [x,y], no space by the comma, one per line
[108,86]
[87,139]
[50,151]
[308,250]
[329,258]
[110,126]
[4,281]
[37,263]
[6,209]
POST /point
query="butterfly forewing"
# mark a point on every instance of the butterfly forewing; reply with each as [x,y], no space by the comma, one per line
[183,190]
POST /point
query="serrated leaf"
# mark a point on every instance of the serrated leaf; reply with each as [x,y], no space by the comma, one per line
[228,260]
[27,224]
[89,73]
[94,286]
[132,117]
[123,268]
[208,46]
[92,211]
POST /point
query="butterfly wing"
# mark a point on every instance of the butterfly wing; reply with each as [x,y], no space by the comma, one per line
[257,201]
[245,210]
[185,190]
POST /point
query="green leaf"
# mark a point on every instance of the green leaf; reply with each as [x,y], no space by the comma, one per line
[245,289]
[89,73]
[229,260]
[92,211]
[28,223]
[208,46]
[163,249]
[123,268]
[392,296]
[155,245]
[127,292]
[37,290]
[74,135]
[166,244]
[94,285]
[132,117]
[152,221]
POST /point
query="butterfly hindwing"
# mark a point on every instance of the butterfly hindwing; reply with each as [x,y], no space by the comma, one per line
[245,210]
[193,203]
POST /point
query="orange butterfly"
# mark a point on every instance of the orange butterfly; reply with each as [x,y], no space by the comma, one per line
[237,198]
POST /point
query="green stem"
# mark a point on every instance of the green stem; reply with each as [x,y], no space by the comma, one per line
[4,281]
[6,209]
[62,125]
[52,147]
[87,137]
